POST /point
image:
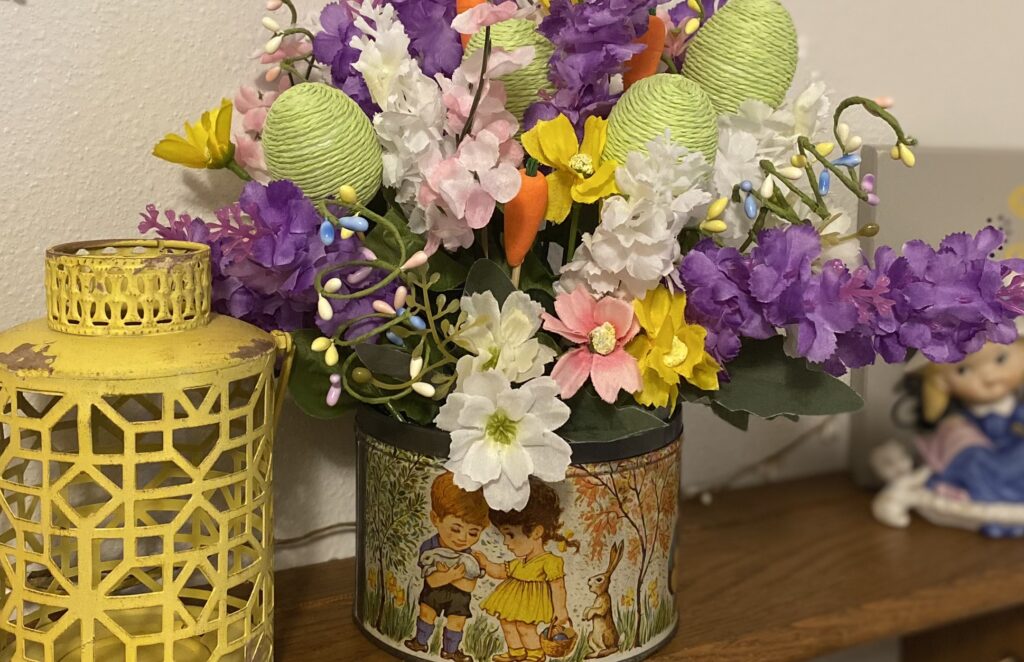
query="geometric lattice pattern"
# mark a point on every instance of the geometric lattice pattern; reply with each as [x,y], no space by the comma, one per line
[136,525]
[127,288]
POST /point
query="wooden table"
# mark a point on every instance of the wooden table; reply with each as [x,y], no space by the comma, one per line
[784,572]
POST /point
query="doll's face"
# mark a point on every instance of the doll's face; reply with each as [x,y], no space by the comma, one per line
[988,375]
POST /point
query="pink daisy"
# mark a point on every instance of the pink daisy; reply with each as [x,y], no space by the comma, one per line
[601,328]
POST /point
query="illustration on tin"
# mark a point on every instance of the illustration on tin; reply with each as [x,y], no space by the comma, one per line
[582,572]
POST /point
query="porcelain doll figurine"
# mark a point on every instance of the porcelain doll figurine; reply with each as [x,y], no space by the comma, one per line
[971,439]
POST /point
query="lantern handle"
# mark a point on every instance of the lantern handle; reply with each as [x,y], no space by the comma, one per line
[286,352]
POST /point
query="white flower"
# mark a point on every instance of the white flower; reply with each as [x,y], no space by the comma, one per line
[502,340]
[502,435]
[410,126]
[757,132]
[636,244]
[839,240]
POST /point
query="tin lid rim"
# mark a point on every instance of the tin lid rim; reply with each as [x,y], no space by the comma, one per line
[432,441]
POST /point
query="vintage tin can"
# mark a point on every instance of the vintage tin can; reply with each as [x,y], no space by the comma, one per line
[609,539]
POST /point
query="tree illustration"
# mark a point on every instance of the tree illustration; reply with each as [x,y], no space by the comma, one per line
[638,497]
[395,510]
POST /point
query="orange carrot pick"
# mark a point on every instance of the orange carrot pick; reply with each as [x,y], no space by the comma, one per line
[524,214]
[645,63]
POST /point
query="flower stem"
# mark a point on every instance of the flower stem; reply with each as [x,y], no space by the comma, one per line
[233,166]
[479,92]
[672,68]
[769,168]
[291,8]
[754,229]
[848,182]
[303,31]
[574,230]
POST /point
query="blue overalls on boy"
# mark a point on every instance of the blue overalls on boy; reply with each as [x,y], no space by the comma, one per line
[449,569]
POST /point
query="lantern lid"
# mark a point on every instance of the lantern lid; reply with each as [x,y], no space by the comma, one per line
[128,287]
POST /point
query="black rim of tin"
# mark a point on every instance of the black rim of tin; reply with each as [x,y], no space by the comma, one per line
[434,442]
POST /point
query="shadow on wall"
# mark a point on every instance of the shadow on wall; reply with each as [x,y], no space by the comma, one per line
[314,483]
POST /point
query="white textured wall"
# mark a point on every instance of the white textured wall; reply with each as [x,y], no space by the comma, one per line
[89,86]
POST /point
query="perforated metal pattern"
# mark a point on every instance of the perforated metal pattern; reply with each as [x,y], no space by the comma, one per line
[139,521]
[127,287]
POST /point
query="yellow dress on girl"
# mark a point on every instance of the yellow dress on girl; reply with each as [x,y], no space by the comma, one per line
[525,596]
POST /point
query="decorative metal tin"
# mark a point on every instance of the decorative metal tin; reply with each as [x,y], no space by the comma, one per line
[614,547]
[137,431]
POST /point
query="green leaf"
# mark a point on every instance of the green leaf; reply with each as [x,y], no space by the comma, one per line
[593,419]
[417,409]
[385,360]
[764,381]
[381,241]
[537,275]
[487,276]
[310,379]
[452,274]
[737,419]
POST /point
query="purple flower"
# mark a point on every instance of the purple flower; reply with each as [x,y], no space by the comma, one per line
[432,40]
[593,40]
[681,13]
[954,299]
[331,47]
[180,227]
[718,298]
[944,302]
[266,255]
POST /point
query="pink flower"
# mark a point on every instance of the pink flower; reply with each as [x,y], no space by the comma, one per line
[470,21]
[676,40]
[460,190]
[294,45]
[601,328]
[249,155]
[251,106]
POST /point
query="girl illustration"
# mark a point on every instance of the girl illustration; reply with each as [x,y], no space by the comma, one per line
[532,591]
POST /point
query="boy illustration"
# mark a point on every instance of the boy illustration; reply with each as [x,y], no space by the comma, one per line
[449,569]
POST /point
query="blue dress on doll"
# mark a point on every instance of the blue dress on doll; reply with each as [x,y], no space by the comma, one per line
[993,472]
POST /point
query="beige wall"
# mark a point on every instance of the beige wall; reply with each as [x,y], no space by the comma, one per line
[89,86]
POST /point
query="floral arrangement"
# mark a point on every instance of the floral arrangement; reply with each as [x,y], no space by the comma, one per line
[536,224]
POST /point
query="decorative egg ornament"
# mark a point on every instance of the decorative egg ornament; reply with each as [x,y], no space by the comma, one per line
[522,86]
[319,138]
[656,103]
[747,50]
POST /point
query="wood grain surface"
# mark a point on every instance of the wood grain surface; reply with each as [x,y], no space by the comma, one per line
[777,573]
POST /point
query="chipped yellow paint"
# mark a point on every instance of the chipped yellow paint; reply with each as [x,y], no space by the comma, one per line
[135,465]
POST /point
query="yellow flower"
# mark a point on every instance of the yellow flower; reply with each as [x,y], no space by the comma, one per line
[579,173]
[669,349]
[206,144]
[627,599]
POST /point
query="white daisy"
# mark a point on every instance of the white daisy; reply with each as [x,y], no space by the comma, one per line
[502,435]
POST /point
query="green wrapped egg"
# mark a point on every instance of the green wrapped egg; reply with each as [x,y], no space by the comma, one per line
[521,86]
[747,50]
[657,103]
[319,138]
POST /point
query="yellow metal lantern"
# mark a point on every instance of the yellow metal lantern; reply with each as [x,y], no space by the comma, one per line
[137,431]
